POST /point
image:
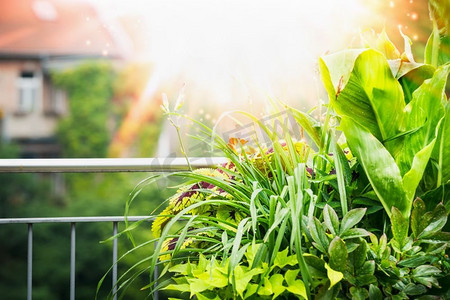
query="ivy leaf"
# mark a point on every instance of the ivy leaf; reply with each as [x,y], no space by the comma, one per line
[338,254]
[331,219]
[333,275]
[197,286]
[251,290]
[243,277]
[178,287]
[208,296]
[266,288]
[351,219]
[276,281]
[282,259]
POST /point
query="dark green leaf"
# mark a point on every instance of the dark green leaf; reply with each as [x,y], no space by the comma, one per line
[438,220]
[417,213]
[415,289]
[399,226]
[338,254]
[416,261]
[375,293]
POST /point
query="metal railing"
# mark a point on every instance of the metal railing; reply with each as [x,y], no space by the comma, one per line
[93,165]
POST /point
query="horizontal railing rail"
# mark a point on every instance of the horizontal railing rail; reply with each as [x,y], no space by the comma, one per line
[93,165]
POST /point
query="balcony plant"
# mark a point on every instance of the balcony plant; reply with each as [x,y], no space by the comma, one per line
[354,209]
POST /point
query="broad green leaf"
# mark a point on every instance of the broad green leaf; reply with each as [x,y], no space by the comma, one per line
[282,259]
[214,278]
[291,276]
[385,46]
[426,110]
[413,79]
[379,166]
[354,233]
[297,287]
[417,213]
[276,281]
[375,293]
[208,296]
[338,254]
[372,96]
[315,265]
[178,287]
[425,270]
[333,275]
[251,289]
[351,219]
[331,219]
[335,69]
[416,261]
[441,152]
[359,293]
[399,226]
[197,286]
[437,222]
[243,277]
[266,288]
[358,257]
[415,289]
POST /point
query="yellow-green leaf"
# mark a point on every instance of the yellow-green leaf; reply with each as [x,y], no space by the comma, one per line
[334,276]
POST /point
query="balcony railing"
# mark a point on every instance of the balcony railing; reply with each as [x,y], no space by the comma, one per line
[93,165]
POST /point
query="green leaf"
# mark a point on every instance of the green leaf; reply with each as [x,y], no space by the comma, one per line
[425,270]
[358,257]
[415,289]
[375,293]
[197,286]
[359,293]
[351,219]
[282,259]
[426,110]
[316,265]
[178,287]
[419,209]
[243,277]
[379,166]
[385,46]
[372,96]
[331,219]
[438,219]
[416,261]
[413,79]
[338,254]
[295,286]
[333,275]
[354,233]
[276,281]
[399,226]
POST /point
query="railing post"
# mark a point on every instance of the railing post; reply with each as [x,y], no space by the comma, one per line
[72,261]
[114,258]
[30,262]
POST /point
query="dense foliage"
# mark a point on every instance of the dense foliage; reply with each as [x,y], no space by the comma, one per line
[353,210]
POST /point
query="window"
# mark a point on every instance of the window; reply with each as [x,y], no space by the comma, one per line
[57,101]
[29,86]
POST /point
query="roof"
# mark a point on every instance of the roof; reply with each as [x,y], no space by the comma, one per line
[55,28]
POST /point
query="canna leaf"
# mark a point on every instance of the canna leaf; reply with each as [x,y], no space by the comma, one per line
[372,96]
[379,166]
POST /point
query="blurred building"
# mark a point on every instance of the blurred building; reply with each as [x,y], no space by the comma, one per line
[36,38]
